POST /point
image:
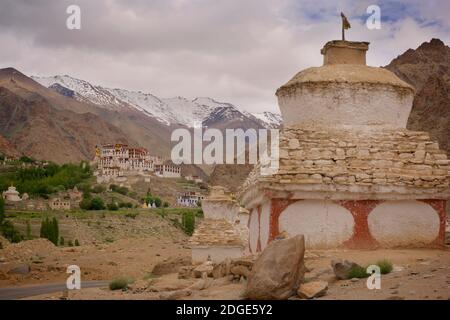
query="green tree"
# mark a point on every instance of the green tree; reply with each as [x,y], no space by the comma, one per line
[54,231]
[97,204]
[85,204]
[50,230]
[28,230]
[157,201]
[188,222]
[2,210]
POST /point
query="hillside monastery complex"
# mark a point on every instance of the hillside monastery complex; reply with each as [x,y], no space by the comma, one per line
[115,162]
[351,175]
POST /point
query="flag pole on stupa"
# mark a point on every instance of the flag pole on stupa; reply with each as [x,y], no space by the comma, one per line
[345,25]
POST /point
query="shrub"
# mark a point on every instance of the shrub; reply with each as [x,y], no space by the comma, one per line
[166,204]
[26,159]
[97,204]
[8,230]
[157,202]
[77,243]
[85,204]
[357,272]
[125,205]
[385,266]
[150,200]
[360,272]
[119,284]
[61,241]
[131,215]
[70,243]
[112,206]
[121,190]
[98,189]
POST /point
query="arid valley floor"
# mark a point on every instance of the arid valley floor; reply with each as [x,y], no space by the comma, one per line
[152,260]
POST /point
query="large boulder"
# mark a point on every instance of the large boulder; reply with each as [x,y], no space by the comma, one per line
[278,271]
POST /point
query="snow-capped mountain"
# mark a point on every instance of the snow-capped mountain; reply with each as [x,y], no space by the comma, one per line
[178,110]
[272,120]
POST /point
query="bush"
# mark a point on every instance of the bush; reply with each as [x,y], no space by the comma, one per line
[121,190]
[77,243]
[9,232]
[112,206]
[61,241]
[131,215]
[97,204]
[157,202]
[360,272]
[385,266]
[125,205]
[357,272]
[166,204]
[26,159]
[150,200]
[119,284]
[85,204]
[98,189]
[70,243]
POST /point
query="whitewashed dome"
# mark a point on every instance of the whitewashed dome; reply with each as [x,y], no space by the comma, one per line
[345,92]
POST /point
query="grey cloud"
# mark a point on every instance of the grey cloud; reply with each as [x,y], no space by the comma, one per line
[234,51]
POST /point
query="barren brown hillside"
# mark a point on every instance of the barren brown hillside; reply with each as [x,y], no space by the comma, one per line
[428,69]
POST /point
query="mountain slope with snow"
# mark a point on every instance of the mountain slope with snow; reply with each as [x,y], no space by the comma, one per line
[272,120]
[178,110]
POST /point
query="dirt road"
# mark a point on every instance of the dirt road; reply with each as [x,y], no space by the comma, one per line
[12,293]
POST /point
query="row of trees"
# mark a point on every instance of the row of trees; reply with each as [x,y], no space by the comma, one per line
[7,229]
[45,180]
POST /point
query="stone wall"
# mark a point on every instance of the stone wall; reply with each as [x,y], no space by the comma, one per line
[379,164]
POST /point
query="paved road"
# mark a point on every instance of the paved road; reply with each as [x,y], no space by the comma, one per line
[12,293]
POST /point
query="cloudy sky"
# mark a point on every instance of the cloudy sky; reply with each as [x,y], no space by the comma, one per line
[237,51]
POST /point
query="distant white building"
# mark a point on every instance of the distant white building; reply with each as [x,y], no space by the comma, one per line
[189,199]
[196,179]
[168,171]
[59,204]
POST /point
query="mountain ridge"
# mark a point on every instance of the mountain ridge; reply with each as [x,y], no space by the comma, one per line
[170,111]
